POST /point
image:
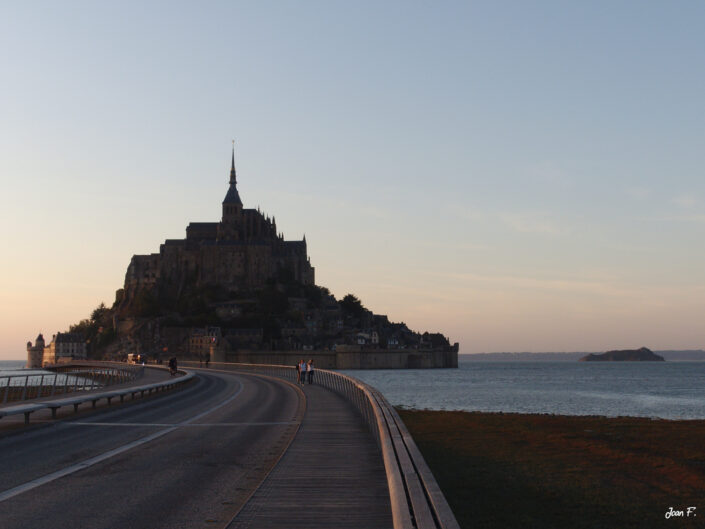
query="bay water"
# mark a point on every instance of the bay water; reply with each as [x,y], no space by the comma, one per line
[13,367]
[668,390]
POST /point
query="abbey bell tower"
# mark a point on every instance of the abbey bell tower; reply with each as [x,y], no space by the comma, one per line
[232,205]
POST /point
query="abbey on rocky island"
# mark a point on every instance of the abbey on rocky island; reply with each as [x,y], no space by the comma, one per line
[236,291]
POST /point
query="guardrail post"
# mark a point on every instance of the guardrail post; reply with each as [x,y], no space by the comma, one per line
[24,391]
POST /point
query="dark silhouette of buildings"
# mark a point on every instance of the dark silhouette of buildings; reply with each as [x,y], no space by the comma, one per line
[241,252]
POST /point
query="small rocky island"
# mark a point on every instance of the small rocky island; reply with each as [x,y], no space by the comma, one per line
[627,355]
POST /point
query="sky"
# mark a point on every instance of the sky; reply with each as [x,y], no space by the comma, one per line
[521,176]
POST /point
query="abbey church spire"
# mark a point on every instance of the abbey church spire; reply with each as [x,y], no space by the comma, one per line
[233,176]
[232,197]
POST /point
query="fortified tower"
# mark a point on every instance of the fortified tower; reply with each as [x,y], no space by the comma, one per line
[35,354]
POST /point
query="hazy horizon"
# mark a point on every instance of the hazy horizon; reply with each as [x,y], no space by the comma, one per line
[23,359]
[516,176]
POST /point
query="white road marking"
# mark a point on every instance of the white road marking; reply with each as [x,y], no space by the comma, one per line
[38,482]
[179,425]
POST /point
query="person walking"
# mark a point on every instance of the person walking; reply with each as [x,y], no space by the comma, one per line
[302,372]
[172,366]
[310,371]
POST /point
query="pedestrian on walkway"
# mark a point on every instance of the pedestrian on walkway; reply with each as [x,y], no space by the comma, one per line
[172,366]
[302,372]
[310,371]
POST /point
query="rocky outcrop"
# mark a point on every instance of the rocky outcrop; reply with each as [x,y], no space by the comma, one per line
[627,355]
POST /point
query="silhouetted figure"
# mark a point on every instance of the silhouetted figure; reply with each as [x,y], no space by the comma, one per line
[172,366]
[310,371]
[302,372]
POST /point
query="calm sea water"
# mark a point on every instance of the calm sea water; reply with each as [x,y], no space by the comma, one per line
[669,390]
[17,367]
[13,367]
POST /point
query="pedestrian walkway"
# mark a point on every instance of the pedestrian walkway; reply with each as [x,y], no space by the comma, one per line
[332,475]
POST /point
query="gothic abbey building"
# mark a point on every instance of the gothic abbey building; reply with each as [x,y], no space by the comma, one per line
[242,252]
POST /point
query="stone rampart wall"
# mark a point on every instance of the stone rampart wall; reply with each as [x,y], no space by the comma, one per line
[377,359]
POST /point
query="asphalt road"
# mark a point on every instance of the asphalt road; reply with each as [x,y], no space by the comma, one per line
[187,459]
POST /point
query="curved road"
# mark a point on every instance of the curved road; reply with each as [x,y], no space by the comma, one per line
[187,459]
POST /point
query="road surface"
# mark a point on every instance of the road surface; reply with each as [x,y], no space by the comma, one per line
[187,459]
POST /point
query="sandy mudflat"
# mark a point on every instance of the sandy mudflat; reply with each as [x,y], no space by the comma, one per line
[538,471]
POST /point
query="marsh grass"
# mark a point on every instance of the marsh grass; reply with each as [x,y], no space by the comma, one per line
[548,471]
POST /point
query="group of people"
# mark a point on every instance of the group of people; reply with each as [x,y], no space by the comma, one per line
[303,368]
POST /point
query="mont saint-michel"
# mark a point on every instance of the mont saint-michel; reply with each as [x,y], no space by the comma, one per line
[237,291]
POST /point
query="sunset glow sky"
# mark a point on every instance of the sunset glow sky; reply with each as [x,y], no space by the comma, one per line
[521,176]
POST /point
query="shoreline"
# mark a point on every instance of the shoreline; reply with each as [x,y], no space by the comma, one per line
[404,408]
[500,469]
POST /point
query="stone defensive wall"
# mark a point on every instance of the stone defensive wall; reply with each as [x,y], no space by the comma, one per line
[345,359]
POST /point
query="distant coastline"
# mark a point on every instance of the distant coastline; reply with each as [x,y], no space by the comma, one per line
[685,355]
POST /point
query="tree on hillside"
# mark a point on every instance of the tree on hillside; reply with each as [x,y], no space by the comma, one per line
[98,331]
[84,327]
[352,305]
[101,314]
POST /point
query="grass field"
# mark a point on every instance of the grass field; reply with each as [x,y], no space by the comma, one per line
[540,471]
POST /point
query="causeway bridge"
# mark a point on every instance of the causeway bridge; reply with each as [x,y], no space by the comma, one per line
[231,446]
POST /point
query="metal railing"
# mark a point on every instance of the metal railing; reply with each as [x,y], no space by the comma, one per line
[416,499]
[93,397]
[64,379]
